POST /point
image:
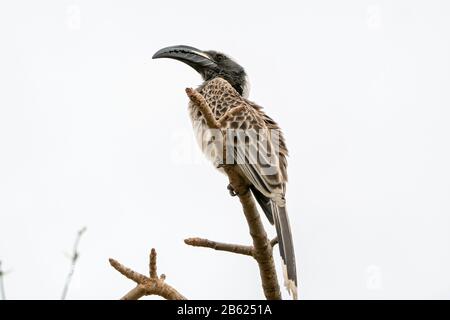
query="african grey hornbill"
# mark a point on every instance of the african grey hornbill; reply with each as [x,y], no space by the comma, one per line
[225,87]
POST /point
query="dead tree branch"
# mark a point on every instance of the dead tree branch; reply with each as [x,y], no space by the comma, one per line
[262,248]
[147,285]
[74,258]
[220,246]
[229,247]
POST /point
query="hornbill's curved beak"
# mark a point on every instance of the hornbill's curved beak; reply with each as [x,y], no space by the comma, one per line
[197,59]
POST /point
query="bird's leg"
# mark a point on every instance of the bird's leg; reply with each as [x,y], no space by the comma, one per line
[233,191]
[230,188]
[221,165]
[236,188]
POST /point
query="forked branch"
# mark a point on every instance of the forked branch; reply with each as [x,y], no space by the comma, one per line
[147,285]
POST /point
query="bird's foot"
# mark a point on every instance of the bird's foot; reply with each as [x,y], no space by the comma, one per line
[231,190]
[221,165]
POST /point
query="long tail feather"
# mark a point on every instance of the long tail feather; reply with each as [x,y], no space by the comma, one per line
[286,246]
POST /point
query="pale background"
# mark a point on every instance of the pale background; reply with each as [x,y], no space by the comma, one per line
[94,133]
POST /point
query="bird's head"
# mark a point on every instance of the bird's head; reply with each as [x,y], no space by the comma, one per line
[209,64]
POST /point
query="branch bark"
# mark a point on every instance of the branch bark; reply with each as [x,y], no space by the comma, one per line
[147,285]
[220,246]
[229,247]
[262,248]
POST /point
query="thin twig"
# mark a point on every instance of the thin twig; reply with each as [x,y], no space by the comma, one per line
[152,285]
[261,244]
[74,259]
[127,272]
[152,265]
[220,246]
[2,286]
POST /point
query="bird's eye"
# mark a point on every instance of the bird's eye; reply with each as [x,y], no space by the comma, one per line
[220,57]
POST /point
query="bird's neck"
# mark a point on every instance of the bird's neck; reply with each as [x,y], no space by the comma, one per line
[243,87]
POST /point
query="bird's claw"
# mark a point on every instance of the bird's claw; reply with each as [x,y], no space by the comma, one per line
[231,190]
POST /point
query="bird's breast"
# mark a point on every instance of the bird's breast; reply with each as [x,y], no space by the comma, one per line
[209,140]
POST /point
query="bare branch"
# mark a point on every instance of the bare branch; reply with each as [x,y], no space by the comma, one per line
[152,264]
[220,246]
[127,272]
[74,259]
[262,248]
[147,285]
[134,294]
[201,103]
[261,244]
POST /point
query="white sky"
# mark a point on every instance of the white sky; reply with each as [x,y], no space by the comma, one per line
[94,133]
